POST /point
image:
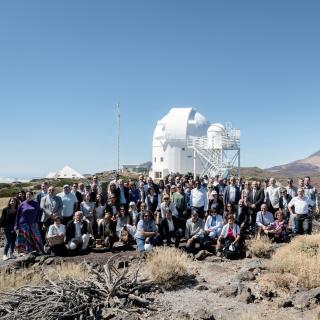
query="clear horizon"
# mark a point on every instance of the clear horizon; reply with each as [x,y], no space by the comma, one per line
[65,65]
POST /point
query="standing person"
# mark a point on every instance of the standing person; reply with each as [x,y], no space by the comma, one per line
[21,196]
[245,192]
[291,189]
[255,199]
[311,193]
[153,200]
[78,194]
[51,206]
[284,200]
[122,193]
[133,192]
[299,207]
[7,221]
[29,238]
[43,192]
[231,193]
[273,196]
[179,199]
[199,200]
[69,202]
[99,208]
[87,209]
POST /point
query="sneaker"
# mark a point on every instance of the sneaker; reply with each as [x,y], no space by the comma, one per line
[5,257]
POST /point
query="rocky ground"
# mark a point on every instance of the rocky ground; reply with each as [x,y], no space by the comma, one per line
[220,289]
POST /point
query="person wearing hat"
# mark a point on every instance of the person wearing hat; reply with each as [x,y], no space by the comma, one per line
[194,231]
[69,202]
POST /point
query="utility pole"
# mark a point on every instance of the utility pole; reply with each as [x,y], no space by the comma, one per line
[118,137]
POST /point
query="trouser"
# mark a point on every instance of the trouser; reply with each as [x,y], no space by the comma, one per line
[108,242]
[74,243]
[10,239]
[173,235]
[303,224]
[200,239]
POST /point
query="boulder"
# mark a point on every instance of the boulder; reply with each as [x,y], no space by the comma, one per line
[307,299]
[245,276]
[202,254]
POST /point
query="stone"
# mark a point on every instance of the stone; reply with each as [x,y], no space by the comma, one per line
[201,287]
[202,254]
[252,264]
[307,299]
[230,290]
[285,304]
[245,276]
[49,261]
[246,296]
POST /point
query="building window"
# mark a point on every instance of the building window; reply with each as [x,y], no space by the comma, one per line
[155,159]
[158,175]
[183,149]
[161,159]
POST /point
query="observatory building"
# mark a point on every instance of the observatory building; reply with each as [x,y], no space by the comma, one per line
[184,141]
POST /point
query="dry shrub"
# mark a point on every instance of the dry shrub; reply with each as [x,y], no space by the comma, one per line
[23,277]
[277,281]
[167,266]
[301,258]
[261,248]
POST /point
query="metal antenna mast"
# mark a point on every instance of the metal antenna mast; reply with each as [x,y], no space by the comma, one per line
[118,137]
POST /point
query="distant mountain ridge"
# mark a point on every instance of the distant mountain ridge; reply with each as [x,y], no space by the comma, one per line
[307,166]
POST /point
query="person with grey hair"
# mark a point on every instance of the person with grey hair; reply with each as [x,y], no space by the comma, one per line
[77,236]
[194,232]
[264,221]
[299,207]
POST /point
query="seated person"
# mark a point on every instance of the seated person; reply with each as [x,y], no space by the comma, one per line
[133,213]
[123,220]
[194,231]
[107,231]
[229,239]
[264,221]
[77,236]
[55,237]
[280,228]
[169,229]
[214,224]
[147,232]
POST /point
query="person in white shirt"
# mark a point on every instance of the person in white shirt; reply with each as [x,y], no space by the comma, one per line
[55,237]
[299,207]
[70,203]
[273,196]
[199,199]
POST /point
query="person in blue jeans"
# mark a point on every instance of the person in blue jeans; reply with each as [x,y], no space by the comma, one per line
[8,219]
[147,232]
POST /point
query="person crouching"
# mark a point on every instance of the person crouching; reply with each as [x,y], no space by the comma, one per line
[77,236]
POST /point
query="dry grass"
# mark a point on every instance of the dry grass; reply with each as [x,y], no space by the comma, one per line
[301,258]
[276,281]
[167,266]
[20,278]
[261,248]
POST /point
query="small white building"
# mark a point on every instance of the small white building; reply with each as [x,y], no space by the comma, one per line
[185,141]
[65,173]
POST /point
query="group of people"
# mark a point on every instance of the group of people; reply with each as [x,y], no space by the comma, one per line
[206,212]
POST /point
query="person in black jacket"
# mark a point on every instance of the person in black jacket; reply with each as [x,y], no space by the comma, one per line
[255,199]
[7,221]
[169,229]
[77,236]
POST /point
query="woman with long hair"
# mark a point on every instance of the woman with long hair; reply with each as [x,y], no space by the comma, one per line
[7,221]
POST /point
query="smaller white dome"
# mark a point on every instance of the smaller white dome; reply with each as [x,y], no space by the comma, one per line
[216,127]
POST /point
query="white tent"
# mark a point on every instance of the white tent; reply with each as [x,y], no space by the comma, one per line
[65,172]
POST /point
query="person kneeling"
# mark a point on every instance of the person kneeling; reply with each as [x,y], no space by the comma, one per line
[214,224]
[229,240]
[169,229]
[194,231]
[55,237]
[147,234]
[77,236]
[107,231]
[265,222]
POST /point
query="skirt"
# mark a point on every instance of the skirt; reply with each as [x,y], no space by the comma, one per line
[29,238]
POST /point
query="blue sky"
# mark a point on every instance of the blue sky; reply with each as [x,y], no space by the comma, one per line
[65,64]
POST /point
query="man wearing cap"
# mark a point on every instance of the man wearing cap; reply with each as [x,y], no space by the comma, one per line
[199,199]
[194,231]
[70,203]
